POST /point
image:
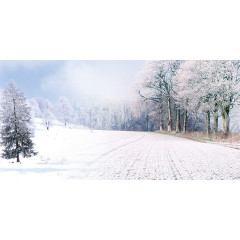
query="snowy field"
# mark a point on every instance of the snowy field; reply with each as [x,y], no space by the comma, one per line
[75,153]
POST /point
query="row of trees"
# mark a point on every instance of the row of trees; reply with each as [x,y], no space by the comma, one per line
[120,116]
[186,92]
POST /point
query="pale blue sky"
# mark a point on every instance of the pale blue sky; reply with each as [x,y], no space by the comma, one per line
[76,80]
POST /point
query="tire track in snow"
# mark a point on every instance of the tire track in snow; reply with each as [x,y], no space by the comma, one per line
[108,142]
[116,148]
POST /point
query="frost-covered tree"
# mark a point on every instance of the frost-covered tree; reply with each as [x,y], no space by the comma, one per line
[227,86]
[187,90]
[44,109]
[158,85]
[35,110]
[211,87]
[16,119]
[196,90]
[41,105]
[64,110]
[208,91]
[48,113]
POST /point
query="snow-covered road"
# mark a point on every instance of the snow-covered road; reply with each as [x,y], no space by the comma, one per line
[84,154]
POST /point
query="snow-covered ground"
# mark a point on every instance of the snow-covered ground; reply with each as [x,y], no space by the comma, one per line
[76,153]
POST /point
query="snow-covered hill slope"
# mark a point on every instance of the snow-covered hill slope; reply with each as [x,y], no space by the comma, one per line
[75,153]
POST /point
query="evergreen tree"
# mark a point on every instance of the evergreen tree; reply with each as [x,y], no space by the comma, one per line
[15,130]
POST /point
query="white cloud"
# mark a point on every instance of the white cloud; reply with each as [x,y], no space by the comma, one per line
[89,78]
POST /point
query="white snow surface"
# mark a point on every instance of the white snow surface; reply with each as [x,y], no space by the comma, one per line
[76,153]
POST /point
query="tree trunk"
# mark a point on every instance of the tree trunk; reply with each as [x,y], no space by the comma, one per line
[185,120]
[169,116]
[208,128]
[47,125]
[178,121]
[17,147]
[215,116]
[226,120]
[16,129]
[160,125]
[160,120]
[147,122]
[215,122]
